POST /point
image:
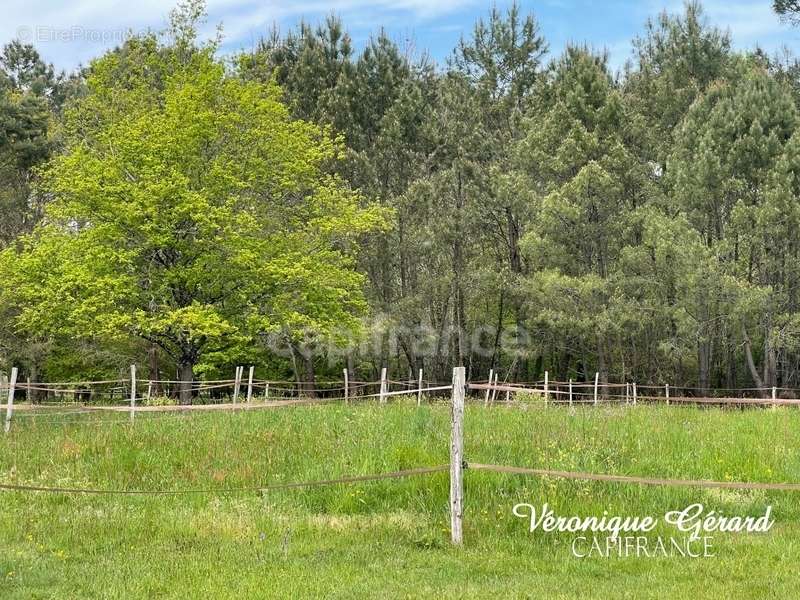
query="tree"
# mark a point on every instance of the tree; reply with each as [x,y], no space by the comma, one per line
[787,9]
[677,59]
[732,170]
[502,61]
[575,154]
[195,215]
[31,97]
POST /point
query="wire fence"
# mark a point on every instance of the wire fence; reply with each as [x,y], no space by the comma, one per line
[548,392]
[163,393]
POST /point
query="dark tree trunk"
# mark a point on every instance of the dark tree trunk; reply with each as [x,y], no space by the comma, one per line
[602,365]
[34,377]
[751,364]
[498,333]
[310,383]
[704,365]
[186,377]
[770,363]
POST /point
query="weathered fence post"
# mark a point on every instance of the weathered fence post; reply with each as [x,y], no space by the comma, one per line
[250,384]
[489,387]
[457,456]
[383,386]
[133,392]
[596,381]
[666,391]
[10,406]
[570,392]
[494,387]
[774,396]
[237,379]
[635,395]
[546,387]
[149,391]
[346,386]
[419,389]
[266,392]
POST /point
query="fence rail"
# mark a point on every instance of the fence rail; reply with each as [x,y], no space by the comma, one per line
[139,396]
[458,461]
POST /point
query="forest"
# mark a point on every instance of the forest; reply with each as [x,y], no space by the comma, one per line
[306,207]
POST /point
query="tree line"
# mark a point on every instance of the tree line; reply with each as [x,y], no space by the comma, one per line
[306,207]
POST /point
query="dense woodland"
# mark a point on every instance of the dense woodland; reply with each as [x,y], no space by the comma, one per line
[307,207]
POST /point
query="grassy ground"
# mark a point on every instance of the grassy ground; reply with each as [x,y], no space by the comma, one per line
[386,539]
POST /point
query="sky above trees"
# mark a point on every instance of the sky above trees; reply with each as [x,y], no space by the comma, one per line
[68,34]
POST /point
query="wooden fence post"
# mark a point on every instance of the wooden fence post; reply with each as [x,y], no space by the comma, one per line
[133,392]
[666,391]
[236,381]
[570,392]
[250,384]
[346,386]
[383,386]
[546,386]
[419,389]
[635,395]
[489,387]
[494,389]
[266,392]
[457,456]
[774,396]
[149,391]
[10,406]
[596,381]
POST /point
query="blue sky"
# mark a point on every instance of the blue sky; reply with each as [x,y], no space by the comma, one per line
[70,33]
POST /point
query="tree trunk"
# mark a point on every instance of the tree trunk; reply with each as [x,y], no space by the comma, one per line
[748,352]
[770,362]
[32,380]
[602,366]
[153,371]
[351,372]
[704,365]
[514,234]
[498,333]
[310,383]
[186,377]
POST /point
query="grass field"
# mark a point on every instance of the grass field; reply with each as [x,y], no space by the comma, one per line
[386,539]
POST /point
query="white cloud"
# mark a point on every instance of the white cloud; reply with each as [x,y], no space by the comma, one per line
[74,32]
[749,22]
[68,33]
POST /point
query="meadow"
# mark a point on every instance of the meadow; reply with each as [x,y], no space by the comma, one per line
[390,538]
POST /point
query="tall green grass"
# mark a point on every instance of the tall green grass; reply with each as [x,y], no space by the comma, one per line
[386,538]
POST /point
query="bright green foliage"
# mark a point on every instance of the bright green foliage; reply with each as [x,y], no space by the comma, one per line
[642,224]
[196,215]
